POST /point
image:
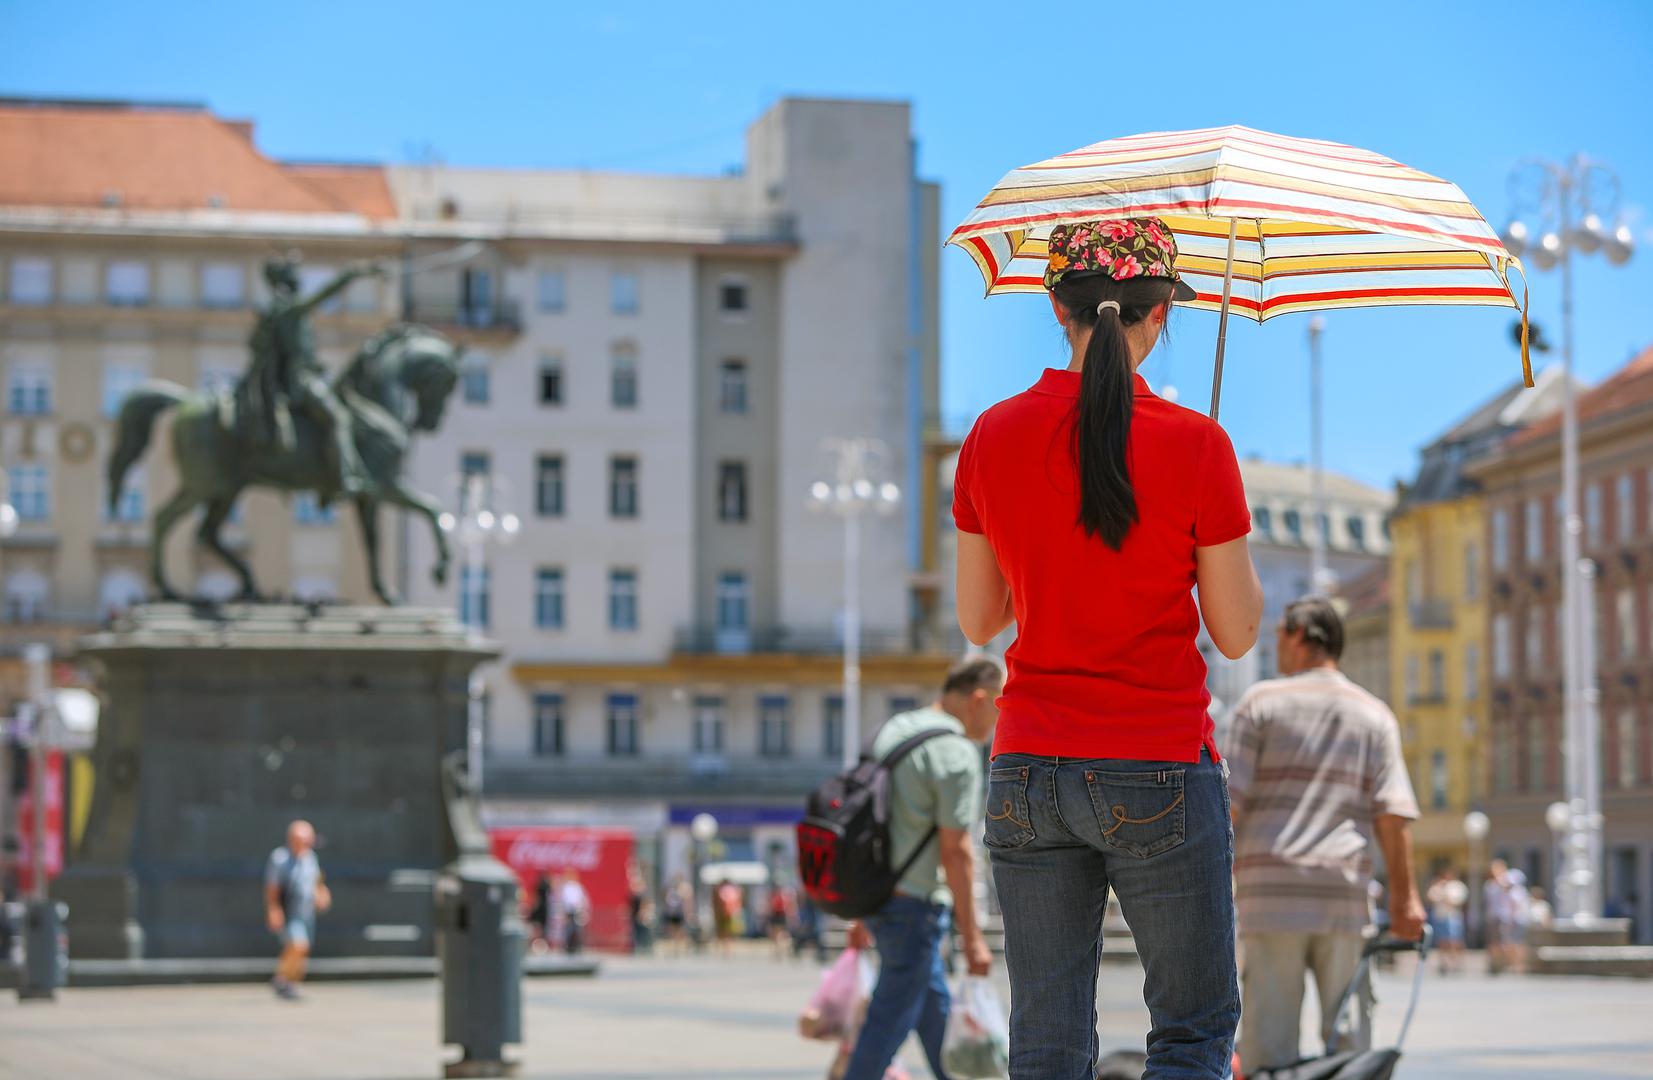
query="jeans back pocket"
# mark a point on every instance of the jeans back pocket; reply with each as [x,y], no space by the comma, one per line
[1008,823]
[1140,813]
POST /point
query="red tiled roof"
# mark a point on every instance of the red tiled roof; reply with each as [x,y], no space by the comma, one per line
[361,189]
[168,158]
[1629,387]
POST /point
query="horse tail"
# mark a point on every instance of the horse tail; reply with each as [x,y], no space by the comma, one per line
[137,420]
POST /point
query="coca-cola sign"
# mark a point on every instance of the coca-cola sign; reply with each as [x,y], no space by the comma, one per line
[529,851]
[600,858]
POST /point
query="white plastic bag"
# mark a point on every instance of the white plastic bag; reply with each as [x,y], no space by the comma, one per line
[977,1043]
[832,1011]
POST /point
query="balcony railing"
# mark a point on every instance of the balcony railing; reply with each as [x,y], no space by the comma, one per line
[504,315]
[658,775]
[806,641]
[1432,615]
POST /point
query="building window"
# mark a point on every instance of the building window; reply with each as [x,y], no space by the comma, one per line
[732,387]
[223,285]
[473,597]
[472,463]
[1535,531]
[708,725]
[1472,671]
[551,380]
[902,703]
[774,727]
[732,298]
[1624,513]
[118,591]
[27,594]
[1537,754]
[734,599]
[1263,519]
[832,726]
[1414,583]
[1472,571]
[548,734]
[1411,678]
[1501,659]
[31,282]
[1535,639]
[731,491]
[1294,526]
[623,293]
[474,378]
[548,485]
[128,509]
[1437,780]
[1592,515]
[1323,526]
[552,291]
[548,597]
[1503,758]
[119,380]
[1629,755]
[622,487]
[1501,538]
[1356,527]
[623,375]
[29,389]
[308,510]
[1624,605]
[476,297]
[622,599]
[1437,674]
[622,725]
[31,492]
[126,283]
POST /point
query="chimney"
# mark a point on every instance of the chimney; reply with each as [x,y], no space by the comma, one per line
[243,128]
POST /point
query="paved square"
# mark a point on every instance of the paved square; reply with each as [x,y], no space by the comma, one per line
[724,1019]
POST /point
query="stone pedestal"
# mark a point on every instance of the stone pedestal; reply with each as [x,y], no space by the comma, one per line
[1601,948]
[220,727]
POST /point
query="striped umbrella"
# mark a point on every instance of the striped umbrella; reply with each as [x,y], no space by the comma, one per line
[1265,225]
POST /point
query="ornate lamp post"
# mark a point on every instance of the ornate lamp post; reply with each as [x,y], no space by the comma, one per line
[854,491]
[484,519]
[702,831]
[1476,827]
[1321,579]
[1570,222]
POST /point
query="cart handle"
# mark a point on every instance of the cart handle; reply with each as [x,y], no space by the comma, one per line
[1385,944]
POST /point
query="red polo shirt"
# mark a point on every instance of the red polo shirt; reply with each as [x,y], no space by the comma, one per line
[1104,664]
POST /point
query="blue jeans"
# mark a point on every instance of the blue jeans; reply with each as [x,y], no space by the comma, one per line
[912,987]
[1063,831]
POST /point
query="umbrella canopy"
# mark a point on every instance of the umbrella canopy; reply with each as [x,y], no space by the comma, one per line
[1265,224]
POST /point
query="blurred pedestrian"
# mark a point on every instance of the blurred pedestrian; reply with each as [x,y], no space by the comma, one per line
[638,903]
[1539,912]
[294,892]
[575,903]
[539,915]
[675,903]
[935,809]
[728,901]
[1506,902]
[1318,784]
[1088,509]
[782,909]
[1448,897]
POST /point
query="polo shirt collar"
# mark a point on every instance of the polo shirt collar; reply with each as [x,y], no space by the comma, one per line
[1064,383]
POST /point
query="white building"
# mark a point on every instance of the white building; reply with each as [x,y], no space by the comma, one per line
[655,363]
[1355,531]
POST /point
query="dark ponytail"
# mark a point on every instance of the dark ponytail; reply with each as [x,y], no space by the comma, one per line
[1102,416]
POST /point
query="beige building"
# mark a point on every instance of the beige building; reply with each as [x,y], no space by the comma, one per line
[131,243]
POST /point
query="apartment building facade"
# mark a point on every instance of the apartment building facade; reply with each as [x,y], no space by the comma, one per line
[1522,483]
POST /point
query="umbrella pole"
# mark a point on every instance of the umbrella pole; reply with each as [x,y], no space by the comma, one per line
[1222,322]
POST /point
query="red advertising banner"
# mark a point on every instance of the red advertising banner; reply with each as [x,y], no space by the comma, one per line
[54,824]
[597,857]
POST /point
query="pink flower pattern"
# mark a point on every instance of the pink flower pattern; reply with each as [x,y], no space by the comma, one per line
[1122,249]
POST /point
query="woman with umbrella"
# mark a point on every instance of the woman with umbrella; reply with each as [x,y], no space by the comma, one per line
[1087,510]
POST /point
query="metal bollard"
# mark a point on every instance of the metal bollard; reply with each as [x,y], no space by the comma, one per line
[45,951]
[479,944]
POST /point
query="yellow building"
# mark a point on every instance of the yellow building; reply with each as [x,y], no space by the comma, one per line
[1438,621]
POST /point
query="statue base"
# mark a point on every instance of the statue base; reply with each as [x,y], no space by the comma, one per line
[223,725]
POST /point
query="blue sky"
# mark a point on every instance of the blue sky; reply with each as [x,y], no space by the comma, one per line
[1462,90]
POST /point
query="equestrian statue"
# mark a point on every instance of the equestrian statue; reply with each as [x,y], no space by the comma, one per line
[286,426]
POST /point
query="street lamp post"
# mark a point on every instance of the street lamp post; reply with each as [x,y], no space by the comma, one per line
[1476,827]
[853,491]
[1320,576]
[1565,197]
[484,519]
[702,831]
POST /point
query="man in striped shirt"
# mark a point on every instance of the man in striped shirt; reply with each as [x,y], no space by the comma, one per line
[1317,781]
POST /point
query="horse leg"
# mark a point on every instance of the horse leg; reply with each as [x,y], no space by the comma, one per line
[217,511]
[165,518]
[426,507]
[367,512]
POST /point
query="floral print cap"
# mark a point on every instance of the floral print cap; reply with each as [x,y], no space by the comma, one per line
[1122,248]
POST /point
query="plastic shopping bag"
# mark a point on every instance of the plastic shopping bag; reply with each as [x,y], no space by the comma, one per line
[977,1043]
[831,1011]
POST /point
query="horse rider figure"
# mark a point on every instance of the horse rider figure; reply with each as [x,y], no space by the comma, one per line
[286,375]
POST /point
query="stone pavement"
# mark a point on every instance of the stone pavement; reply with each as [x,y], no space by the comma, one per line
[725,1019]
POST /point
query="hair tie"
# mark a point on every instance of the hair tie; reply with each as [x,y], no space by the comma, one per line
[1107,304]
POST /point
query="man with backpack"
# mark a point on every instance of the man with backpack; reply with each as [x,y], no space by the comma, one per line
[934,807]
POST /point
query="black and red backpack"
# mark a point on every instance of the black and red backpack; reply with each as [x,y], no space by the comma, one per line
[844,856]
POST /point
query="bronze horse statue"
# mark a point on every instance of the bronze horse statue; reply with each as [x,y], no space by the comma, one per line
[398,383]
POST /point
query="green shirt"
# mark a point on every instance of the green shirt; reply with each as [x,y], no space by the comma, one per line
[939,783]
